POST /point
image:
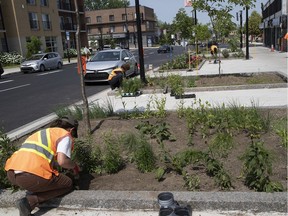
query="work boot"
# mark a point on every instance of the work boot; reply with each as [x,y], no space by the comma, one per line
[24,207]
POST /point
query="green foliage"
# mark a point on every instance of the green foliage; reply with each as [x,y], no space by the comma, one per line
[159,173]
[34,46]
[233,43]
[10,58]
[105,4]
[221,144]
[225,53]
[112,160]
[144,157]
[283,135]
[131,85]
[257,167]
[6,150]
[192,182]
[87,156]
[72,53]
[175,83]
[182,23]
[255,20]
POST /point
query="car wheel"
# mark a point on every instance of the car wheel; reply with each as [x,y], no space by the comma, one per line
[59,66]
[42,68]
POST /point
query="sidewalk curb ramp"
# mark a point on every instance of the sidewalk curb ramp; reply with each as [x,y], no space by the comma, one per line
[147,200]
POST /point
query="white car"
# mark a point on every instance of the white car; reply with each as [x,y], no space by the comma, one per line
[103,62]
[42,62]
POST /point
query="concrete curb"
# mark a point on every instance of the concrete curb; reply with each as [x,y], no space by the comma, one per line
[147,200]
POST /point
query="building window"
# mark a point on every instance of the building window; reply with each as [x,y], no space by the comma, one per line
[111,18]
[112,29]
[88,30]
[44,2]
[99,19]
[51,44]
[124,28]
[88,19]
[31,2]
[46,22]
[123,16]
[33,20]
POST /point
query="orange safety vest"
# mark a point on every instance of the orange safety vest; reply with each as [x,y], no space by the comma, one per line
[115,72]
[83,62]
[37,154]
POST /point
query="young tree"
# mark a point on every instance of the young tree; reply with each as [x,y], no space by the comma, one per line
[254,21]
[79,60]
[34,46]
[183,24]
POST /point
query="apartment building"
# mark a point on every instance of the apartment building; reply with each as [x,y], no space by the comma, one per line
[119,26]
[53,22]
[274,24]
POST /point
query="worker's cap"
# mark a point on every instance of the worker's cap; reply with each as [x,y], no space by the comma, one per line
[70,121]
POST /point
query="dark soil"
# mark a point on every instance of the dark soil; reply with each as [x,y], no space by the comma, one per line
[129,178]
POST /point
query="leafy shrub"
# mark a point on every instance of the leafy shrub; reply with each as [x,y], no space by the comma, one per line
[144,157]
[225,53]
[6,150]
[239,54]
[131,85]
[257,167]
[72,53]
[11,58]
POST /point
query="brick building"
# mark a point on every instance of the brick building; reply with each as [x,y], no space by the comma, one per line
[118,26]
[53,22]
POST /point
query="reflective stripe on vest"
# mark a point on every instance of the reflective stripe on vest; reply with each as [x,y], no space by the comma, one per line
[42,147]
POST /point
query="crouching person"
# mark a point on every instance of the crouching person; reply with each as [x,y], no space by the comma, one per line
[33,166]
[116,77]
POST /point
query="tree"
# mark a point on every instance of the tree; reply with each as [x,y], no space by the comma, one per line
[105,4]
[254,21]
[79,60]
[219,12]
[182,23]
[202,32]
[34,46]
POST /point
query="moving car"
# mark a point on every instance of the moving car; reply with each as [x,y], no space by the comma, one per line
[103,62]
[165,49]
[42,62]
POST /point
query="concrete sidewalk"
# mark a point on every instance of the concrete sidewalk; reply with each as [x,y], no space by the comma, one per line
[145,202]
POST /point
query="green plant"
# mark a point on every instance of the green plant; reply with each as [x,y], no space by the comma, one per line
[144,157]
[221,144]
[159,173]
[192,182]
[34,46]
[131,85]
[112,160]
[160,111]
[225,53]
[257,167]
[88,156]
[6,150]
[176,85]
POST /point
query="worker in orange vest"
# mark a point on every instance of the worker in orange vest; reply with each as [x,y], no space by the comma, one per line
[34,166]
[116,77]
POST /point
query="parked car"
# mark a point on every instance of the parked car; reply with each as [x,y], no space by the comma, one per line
[42,62]
[1,70]
[103,62]
[165,49]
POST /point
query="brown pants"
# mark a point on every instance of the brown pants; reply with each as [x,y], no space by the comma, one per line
[41,189]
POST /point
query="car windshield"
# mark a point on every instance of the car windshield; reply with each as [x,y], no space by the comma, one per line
[35,57]
[106,56]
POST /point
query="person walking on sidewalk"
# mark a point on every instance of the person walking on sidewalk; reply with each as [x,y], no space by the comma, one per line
[116,77]
[34,166]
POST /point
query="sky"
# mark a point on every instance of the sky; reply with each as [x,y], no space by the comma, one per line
[166,10]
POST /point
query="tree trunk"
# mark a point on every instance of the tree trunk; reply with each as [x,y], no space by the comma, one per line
[85,105]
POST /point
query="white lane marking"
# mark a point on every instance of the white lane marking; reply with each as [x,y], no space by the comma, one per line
[6,81]
[51,72]
[14,88]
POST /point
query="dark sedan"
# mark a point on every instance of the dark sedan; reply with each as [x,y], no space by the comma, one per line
[165,49]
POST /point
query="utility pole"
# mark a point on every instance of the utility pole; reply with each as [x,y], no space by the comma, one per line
[127,35]
[241,38]
[140,45]
[247,33]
